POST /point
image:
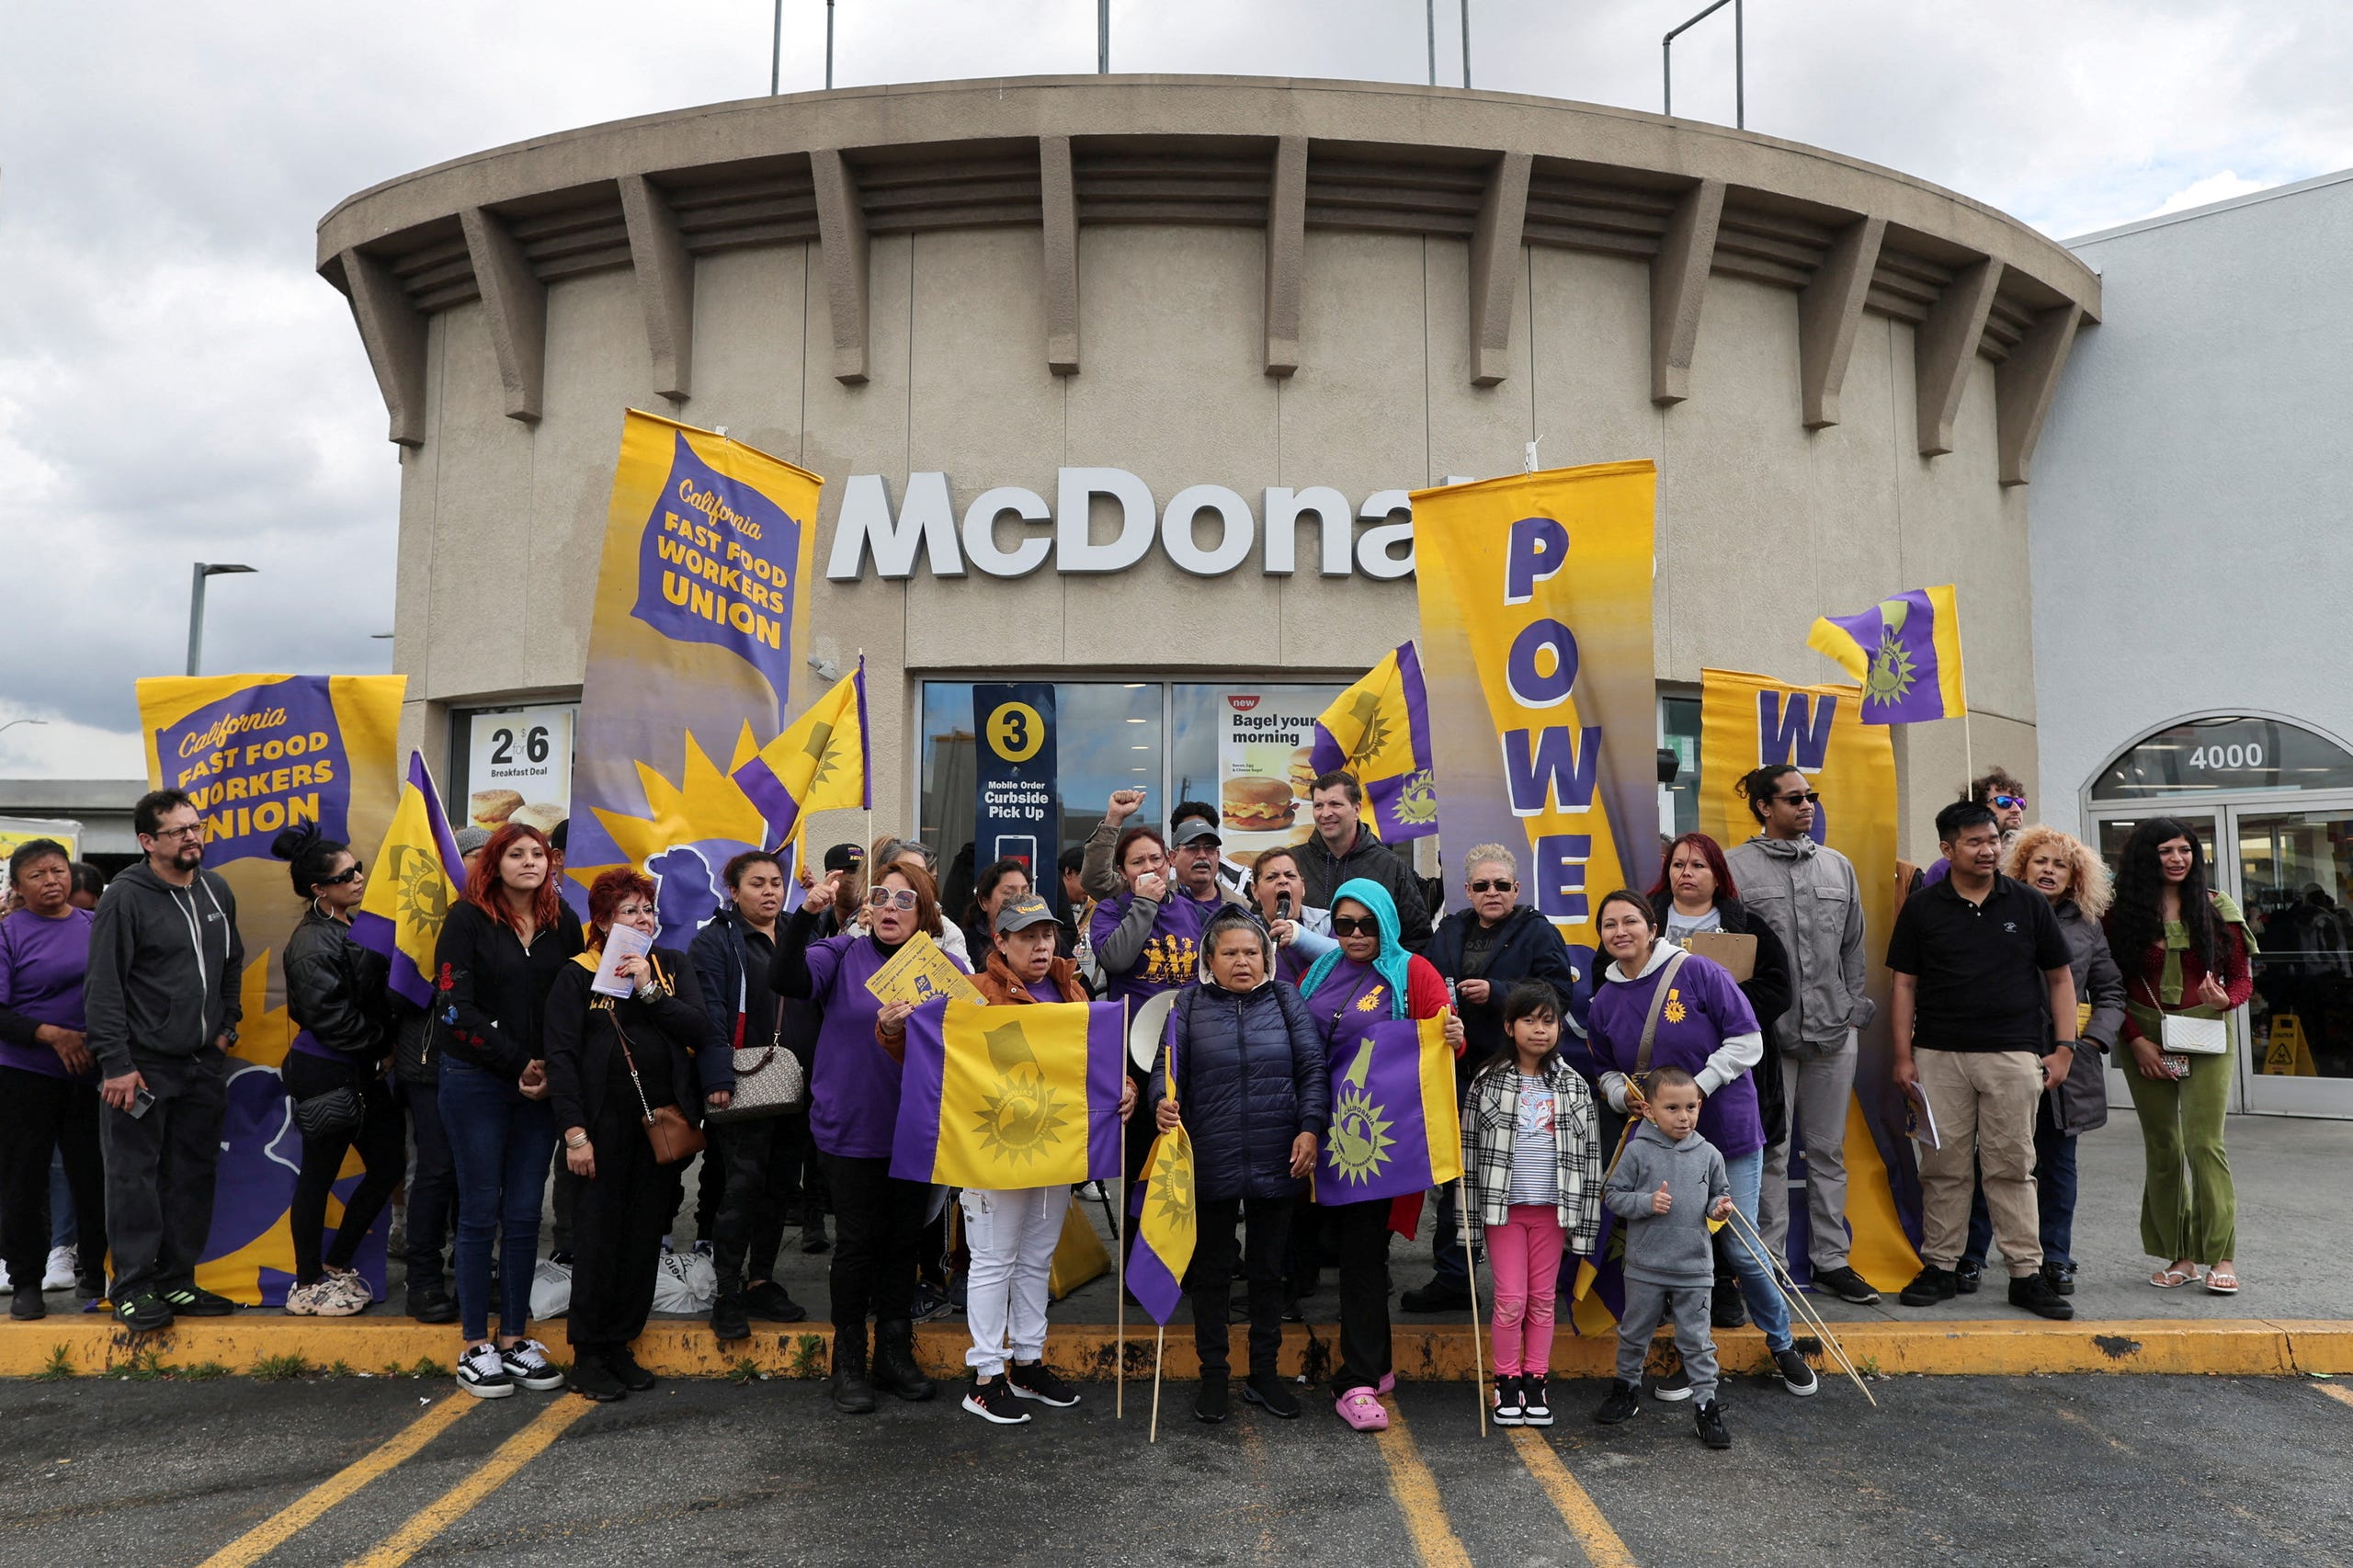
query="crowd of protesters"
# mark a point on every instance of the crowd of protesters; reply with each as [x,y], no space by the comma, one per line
[1650,1092]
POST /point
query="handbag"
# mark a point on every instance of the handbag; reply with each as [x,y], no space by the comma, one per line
[768,1078]
[331,1115]
[2185,1034]
[674,1139]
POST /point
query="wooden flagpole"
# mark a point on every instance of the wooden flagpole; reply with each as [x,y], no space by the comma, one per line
[1120,1259]
[1462,1197]
[1160,1343]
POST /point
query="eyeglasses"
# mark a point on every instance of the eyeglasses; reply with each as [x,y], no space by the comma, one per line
[2010,803]
[629,911]
[1807,797]
[890,898]
[1495,887]
[1354,925]
[350,873]
[165,835]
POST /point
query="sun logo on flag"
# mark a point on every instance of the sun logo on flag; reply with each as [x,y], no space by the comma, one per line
[1359,1141]
[1417,799]
[1372,737]
[821,746]
[1172,1183]
[1024,1116]
[422,890]
[1892,673]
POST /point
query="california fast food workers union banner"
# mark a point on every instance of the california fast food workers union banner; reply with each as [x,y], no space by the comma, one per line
[1536,652]
[259,755]
[695,641]
[1746,722]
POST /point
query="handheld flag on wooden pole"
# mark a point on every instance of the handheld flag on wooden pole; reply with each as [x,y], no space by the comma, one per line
[1396,1124]
[1904,650]
[1001,1098]
[1379,730]
[821,763]
[418,875]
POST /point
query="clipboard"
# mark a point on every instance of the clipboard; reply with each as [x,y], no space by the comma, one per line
[1735,950]
[1920,1118]
[919,973]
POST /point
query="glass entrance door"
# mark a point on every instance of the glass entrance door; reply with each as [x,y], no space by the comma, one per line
[2295,870]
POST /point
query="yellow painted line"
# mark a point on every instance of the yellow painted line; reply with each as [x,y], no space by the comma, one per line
[279,1527]
[1415,1489]
[2342,1395]
[463,1498]
[1572,1501]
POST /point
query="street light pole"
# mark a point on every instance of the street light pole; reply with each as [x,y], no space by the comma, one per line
[196,608]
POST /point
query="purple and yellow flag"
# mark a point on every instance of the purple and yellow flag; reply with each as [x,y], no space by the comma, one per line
[1379,729]
[820,764]
[1001,1098]
[417,875]
[1167,1229]
[1904,650]
[1396,1127]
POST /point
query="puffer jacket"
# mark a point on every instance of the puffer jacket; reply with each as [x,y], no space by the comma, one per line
[2081,1103]
[1250,1079]
[334,989]
[1808,894]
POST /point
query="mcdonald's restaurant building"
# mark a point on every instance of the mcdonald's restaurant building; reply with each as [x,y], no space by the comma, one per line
[1122,383]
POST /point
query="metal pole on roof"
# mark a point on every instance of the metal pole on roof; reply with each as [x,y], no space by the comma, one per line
[1102,37]
[1739,59]
[1466,42]
[829,45]
[775,51]
[1431,8]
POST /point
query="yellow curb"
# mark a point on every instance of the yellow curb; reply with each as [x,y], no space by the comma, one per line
[90,1345]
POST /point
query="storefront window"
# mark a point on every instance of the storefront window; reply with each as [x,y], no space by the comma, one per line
[1679,732]
[2205,755]
[1108,736]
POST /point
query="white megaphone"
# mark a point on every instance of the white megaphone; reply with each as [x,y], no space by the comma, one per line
[1144,1028]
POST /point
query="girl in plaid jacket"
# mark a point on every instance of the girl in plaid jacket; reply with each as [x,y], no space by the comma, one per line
[1531,1151]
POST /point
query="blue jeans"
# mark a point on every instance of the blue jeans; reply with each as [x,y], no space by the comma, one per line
[2054,1196]
[500,1143]
[1756,1287]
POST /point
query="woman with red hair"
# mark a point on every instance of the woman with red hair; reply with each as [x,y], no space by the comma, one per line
[500,951]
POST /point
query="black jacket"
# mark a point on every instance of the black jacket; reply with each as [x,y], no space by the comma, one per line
[732,963]
[1251,1077]
[167,968]
[334,989]
[1375,862]
[491,992]
[1528,947]
[580,1044]
[1769,990]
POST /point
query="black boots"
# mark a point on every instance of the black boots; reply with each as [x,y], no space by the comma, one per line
[853,1394]
[894,1362]
[728,1318]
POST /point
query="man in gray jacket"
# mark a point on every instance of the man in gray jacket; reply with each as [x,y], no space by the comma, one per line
[165,968]
[1808,895]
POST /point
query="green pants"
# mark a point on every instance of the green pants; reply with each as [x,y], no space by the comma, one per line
[2188,1208]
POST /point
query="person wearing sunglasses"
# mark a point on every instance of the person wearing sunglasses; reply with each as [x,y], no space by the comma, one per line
[1482,951]
[1808,894]
[853,1116]
[2000,793]
[334,1074]
[921,856]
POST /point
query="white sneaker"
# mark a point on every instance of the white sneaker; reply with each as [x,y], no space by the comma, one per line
[527,1363]
[481,1372]
[352,1291]
[303,1300]
[65,1265]
[5,1288]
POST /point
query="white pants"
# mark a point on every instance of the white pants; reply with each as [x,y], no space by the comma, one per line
[1012,1237]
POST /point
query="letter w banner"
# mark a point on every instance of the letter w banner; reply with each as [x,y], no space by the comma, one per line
[1397,1122]
[1747,722]
[1002,1098]
[1379,730]
[1536,647]
[695,640]
[259,753]
[416,876]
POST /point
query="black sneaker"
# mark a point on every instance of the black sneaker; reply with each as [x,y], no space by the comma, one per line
[431,1303]
[528,1365]
[1294,1309]
[592,1379]
[1535,1405]
[1509,1410]
[1710,1420]
[1035,1381]
[1435,1297]
[1209,1405]
[1725,1306]
[27,1306]
[1930,1286]
[1624,1402]
[1674,1387]
[813,1235]
[994,1401]
[1796,1376]
[2033,1293]
[728,1321]
[1846,1285]
[1967,1275]
[634,1378]
[1272,1394]
[146,1313]
[930,1304]
[2060,1276]
[191,1302]
[770,1303]
[481,1372]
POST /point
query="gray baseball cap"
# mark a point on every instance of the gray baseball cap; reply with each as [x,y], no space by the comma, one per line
[1022,914]
[1195,830]
[470,839]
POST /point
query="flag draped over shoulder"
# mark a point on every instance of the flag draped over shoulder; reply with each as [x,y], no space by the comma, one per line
[1379,729]
[1000,1099]
[818,764]
[418,875]
[1905,652]
[1396,1127]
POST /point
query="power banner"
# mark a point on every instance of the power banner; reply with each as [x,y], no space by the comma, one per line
[1535,651]
[1747,722]
[259,755]
[695,641]
[1017,814]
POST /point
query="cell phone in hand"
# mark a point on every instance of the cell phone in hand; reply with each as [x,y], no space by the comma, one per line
[141,1103]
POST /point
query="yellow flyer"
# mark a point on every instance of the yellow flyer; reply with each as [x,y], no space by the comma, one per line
[920,972]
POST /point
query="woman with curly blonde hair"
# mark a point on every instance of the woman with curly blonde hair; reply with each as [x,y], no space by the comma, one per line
[2064,870]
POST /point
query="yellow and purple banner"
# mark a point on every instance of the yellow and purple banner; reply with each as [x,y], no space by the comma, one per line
[695,643]
[1396,1126]
[1535,651]
[259,755]
[1001,1098]
[1167,1227]
[1379,729]
[1747,722]
[1905,652]
[415,876]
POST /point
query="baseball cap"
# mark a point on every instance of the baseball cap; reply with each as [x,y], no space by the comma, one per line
[1022,914]
[1195,830]
[844,857]
[470,839]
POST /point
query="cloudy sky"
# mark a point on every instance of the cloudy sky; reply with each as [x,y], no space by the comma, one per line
[176,384]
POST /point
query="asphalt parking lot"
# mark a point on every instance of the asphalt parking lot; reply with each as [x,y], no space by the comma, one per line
[378,1471]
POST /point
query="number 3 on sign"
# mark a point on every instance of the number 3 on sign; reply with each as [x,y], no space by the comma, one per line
[1015,732]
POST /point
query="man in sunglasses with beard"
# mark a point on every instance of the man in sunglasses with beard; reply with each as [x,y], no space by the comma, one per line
[2001,794]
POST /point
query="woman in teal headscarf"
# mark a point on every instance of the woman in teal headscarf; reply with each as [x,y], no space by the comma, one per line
[1369,977]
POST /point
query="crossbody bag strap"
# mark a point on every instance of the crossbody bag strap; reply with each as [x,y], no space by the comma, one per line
[631,1062]
[1658,1005]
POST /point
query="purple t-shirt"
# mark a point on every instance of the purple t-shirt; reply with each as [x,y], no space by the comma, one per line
[1171,954]
[1043,990]
[853,1083]
[1704,1007]
[43,965]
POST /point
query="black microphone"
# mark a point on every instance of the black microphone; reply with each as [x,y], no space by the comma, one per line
[1282,907]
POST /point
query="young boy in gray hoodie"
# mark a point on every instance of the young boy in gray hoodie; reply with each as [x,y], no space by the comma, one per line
[1668,1183]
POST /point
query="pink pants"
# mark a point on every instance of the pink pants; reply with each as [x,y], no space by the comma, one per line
[1524,1254]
